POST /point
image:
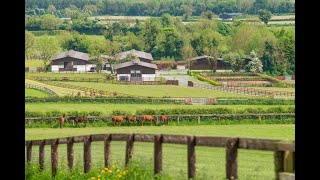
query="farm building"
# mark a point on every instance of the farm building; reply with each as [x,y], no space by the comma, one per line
[136,70]
[71,61]
[107,64]
[143,56]
[229,16]
[202,63]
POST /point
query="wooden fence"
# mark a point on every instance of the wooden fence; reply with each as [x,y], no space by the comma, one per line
[219,117]
[280,148]
[245,91]
[104,80]
[32,86]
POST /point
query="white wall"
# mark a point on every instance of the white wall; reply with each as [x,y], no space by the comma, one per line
[54,67]
[148,77]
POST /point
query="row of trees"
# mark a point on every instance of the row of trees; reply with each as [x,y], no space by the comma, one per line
[157,7]
[168,38]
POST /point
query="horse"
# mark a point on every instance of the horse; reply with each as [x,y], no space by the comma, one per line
[116,119]
[148,118]
[78,119]
[164,119]
[131,118]
[61,120]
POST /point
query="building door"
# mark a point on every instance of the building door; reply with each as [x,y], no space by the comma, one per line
[136,75]
[68,66]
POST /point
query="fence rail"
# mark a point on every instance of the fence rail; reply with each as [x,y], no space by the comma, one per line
[32,86]
[245,91]
[279,147]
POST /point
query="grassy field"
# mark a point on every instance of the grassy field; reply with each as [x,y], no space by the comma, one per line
[155,90]
[59,90]
[35,93]
[70,75]
[106,109]
[34,63]
[210,163]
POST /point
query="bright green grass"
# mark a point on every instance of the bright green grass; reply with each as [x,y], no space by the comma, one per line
[35,93]
[155,90]
[34,63]
[106,109]
[210,162]
[63,74]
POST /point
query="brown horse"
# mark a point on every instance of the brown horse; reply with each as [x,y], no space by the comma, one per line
[164,119]
[131,118]
[61,120]
[80,119]
[116,119]
[148,118]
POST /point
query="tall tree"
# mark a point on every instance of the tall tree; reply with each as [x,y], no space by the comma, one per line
[264,16]
[29,43]
[50,22]
[150,30]
[234,60]
[187,54]
[46,48]
[255,65]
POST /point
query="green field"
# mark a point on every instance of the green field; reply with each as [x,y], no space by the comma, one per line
[106,109]
[210,162]
[155,90]
[35,93]
[70,75]
[34,63]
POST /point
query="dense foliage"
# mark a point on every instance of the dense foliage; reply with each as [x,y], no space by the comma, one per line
[184,8]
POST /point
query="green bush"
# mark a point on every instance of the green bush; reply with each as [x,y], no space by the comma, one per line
[212,82]
[231,101]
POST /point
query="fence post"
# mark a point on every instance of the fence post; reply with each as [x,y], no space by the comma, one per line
[191,157]
[178,119]
[41,155]
[29,151]
[129,148]
[278,162]
[231,158]
[158,153]
[198,119]
[54,156]
[107,140]
[87,154]
[70,153]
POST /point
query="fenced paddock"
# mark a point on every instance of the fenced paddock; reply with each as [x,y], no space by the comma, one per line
[173,118]
[180,156]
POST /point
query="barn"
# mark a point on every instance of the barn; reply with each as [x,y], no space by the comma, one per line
[202,63]
[143,56]
[136,70]
[72,61]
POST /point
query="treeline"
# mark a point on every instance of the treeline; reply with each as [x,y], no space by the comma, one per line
[167,38]
[156,7]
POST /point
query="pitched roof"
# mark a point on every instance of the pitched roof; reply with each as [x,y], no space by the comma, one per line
[205,56]
[74,54]
[134,52]
[136,62]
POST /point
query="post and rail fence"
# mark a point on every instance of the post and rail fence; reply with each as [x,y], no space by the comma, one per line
[32,86]
[283,150]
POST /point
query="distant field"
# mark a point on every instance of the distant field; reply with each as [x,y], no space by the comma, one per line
[155,90]
[63,74]
[107,108]
[35,93]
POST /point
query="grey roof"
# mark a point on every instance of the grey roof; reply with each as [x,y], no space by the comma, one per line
[136,62]
[233,14]
[134,52]
[204,56]
[74,54]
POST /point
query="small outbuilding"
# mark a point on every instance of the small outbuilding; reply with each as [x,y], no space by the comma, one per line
[142,56]
[72,61]
[136,70]
[206,63]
